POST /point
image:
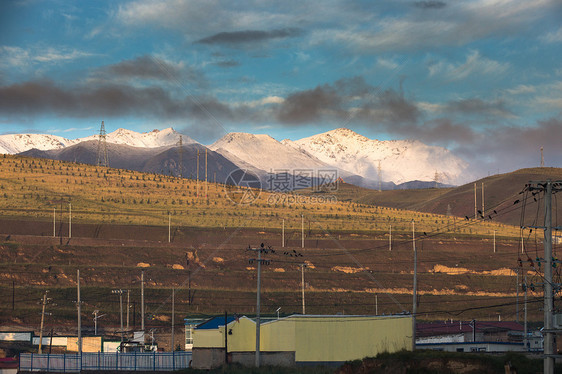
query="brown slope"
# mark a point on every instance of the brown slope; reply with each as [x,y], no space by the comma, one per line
[500,191]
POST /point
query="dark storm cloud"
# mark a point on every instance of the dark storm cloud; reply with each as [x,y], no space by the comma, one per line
[250,36]
[309,105]
[149,67]
[393,107]
[44,97]
[144,67]
[430,4]
[344,100]
[475,106]
[506,148]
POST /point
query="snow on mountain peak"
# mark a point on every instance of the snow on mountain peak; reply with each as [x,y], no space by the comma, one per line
[399,160]
[264,152]
[16,143]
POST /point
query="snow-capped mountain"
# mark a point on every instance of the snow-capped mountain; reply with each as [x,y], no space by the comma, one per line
[17,143]
[400,160]
[355,157]
[152,139]
[264,152]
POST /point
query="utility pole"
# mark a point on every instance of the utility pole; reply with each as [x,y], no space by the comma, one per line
[548,291]
[79,307]
[226,337]
[142,302]
[525,339]
[95,313]
[69,220]
[475,209]
[376,304]
[414,305]
[120,293]
[390,238]
[128,307]
[42,322]
[495,241]
[522,245]
[542,158]
[197,183]
[169,227]
[180,153]
[283,234]
[548,187]
[54,223]
[206,185]
[482,198]
[380,176]
[173,320]
[302,287]
[517,297]
[302,229]
[258,295]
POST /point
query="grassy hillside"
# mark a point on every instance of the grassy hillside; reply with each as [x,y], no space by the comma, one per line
[39,189]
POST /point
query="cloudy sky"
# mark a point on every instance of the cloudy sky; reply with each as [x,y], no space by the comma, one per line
[482,78]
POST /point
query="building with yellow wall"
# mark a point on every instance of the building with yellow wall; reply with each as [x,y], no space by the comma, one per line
[306,338]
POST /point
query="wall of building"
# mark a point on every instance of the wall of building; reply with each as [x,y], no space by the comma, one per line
[16,336]
[243,337]
[338,339]
[89,344]
[315,338]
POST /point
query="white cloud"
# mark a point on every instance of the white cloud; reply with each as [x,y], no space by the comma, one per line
[265,101]
[553,100]
[521,89]
[553,37]
[474,64]
[14,56]
[20,57]
[387,63]
[430,107]
[53,55]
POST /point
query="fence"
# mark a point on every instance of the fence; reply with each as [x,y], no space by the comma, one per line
[74,363]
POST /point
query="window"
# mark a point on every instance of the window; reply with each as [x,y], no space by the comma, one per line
[189,334]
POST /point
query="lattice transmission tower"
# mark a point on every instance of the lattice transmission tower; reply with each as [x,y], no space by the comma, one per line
[103,160]
[180,154]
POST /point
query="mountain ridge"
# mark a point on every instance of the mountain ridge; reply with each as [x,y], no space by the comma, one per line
[368,162]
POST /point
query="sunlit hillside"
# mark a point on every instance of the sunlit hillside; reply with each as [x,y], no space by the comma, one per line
[40,189]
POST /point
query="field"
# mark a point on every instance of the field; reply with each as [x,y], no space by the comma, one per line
[126,222]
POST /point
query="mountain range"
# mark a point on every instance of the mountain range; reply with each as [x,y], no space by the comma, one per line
[341,153]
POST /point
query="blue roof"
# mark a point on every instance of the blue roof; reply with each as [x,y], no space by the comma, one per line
[215,322]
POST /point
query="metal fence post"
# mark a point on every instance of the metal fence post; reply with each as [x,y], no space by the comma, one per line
[174,359]
[48,360]
[64,362]
[31,362]
[154,360]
